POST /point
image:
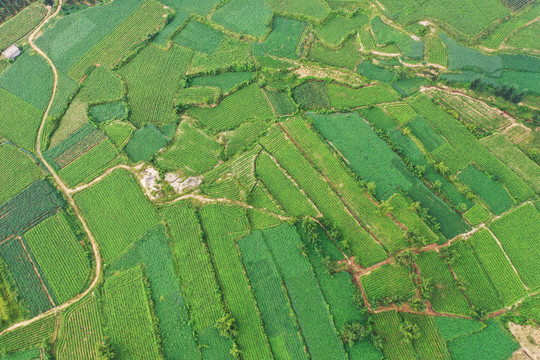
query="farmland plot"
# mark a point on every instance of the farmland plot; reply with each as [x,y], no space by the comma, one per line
[348,56]
[503,277]
[224,225]
[117,212]
[429,345]
[128,315]
[278,318]
[20,120]
[388,281]
[21,24]
[61,258]
[152,80]
[199,283]
[81,331]
[345,97]
[18,171]
[306,298]
[249,17]
[386,324]
[29,336]
[519,233]
[315,9]
[283,39]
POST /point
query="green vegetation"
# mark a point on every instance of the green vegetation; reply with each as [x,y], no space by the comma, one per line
[223,226]
[119,132]
[385,34]
[246,103]
[18,171]
[108,111]
[278,317]
[344,97]
[283,39]
[59,255]
[145,143]
[388,281]
[249,17]
[395,346]
[122,39]
[21,24]
[20,120]
[152,82]
[518,231]
[307,301]
[117,212]
[29,336]
[488,189]
[476,215]
[81,332]
[194,30]
[192,151]
[334,30]
[311,8]
[128,318]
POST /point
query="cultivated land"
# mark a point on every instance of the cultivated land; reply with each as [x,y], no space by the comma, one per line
[303,179]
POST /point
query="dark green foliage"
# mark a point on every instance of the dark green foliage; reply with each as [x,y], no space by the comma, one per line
[199,37]
[145,143]
[312,95]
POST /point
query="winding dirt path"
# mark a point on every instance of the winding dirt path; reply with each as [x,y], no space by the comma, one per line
[60,184]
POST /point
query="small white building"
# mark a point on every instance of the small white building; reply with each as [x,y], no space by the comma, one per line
[11,52]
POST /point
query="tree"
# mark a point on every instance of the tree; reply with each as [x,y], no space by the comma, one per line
[475,84]
[235,351]
[370,187]
[448,255]
[409,331]
[105,350]
[353,332]
[405,258]
[425,288]
[385,208]
[227,326]
[310,226]
[417,304]
[414,206]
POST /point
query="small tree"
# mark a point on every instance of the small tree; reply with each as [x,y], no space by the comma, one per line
[409,331]
[448,255]
[227,326]
[385,208]
[105,350]
[425,288]
[235,351]
[353,332]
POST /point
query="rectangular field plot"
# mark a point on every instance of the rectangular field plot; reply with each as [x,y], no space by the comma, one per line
[429,345]
[21,24]
[127,312]
[388,281]
[28,277]
[488,189]
[18,171]
[224,225]
[501,273]
[28,208]
[476,214]
[446,298]
[29,336]
[478,287]
[519,234]
[81,331]
[61,257]
[90,164]
[387,324]
[311,309]
[121,40]
[278,318]
[117,212]
[193,151]
[347,187]
[199,284]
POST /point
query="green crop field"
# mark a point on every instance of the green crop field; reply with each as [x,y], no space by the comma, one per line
[503,277]
[307,300]
[17,27]
[128,317]
[446,295]
[278,318]
[76,343]
[194,266]
[223,225]
[18,171]
[60,256]
[110,204]
[250,17]
[518,232]
[152,82]
[182,154]
[269,179]
[488,189]
[248,102]
[122,39]
[478,287]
